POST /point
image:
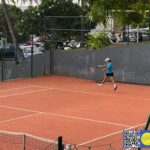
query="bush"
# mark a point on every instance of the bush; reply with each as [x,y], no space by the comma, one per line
[98,41]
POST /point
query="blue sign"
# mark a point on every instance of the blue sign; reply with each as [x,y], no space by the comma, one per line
[145,139]
[136,139]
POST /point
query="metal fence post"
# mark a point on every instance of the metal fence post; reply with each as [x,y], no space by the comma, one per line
[32,54]
[60,145]
[128,40]
[2,59]
[45,69]
[23,142]
[147,123]
[89,147]
[146,126]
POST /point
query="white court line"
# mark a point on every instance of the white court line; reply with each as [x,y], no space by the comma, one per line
[97,94]
[24,93]
[108,135]
[18,118]
[18,88]
[21,109]
[67,116]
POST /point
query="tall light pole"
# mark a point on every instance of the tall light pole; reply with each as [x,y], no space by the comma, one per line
[32,46]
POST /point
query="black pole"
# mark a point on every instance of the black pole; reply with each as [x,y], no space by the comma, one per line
[44,21]
[147,123]
[128,36]
[146,126]
[82,27]
[50,61]
[2,65]
[32,53]
[60,145]
[2,59]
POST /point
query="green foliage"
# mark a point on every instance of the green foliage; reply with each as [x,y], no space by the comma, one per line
[98,41]
[15,14]
[60,8]
[101,9]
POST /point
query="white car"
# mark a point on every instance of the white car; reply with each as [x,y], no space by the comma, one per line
[145,36]
[40,46]
[26,49]
[119,37]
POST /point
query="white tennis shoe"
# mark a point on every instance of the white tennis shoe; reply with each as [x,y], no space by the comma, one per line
[99,84]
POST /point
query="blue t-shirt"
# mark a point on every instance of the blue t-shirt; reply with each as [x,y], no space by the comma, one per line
[109,67]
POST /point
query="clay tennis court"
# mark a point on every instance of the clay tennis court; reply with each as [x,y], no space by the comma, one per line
[76,109]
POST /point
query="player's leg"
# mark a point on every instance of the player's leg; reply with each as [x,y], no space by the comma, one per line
[104,79]
[113,81]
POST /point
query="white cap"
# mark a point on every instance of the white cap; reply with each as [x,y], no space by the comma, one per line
[107,59]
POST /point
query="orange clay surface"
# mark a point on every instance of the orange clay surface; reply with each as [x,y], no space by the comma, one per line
[77,109]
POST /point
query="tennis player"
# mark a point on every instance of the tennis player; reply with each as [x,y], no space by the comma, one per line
[108,73]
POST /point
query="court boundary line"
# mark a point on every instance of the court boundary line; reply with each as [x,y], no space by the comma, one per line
[67,116]
[92,93]
[61,89]
[24,93]
[18,118]
[108,135]
[17,88]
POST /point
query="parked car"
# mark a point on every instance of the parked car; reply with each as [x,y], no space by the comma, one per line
[133,37]
[26,49]
[40,46]
[119,37]
[145,36]
[112,37]
[7,51]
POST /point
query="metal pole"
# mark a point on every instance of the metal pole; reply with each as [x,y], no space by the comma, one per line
[23,142]
[50,61]
[32,53]
[128,36]
[89,147]
[146,126]
[45,72]
[138,34]
[60,145]
[2,58]
[2,66]
[82,27]
[147,123]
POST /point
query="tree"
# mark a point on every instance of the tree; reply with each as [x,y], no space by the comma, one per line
[14,15]
[8,21]
[9,24]
[61,8]
[126,11]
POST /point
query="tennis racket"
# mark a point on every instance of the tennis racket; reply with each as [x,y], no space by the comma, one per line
[93,69]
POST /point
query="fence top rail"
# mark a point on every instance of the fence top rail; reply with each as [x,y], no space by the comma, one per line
[77,30]
[65,16]
[29,135]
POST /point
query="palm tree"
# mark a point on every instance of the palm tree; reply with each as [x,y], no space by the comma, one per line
[6,15]
[4,6]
